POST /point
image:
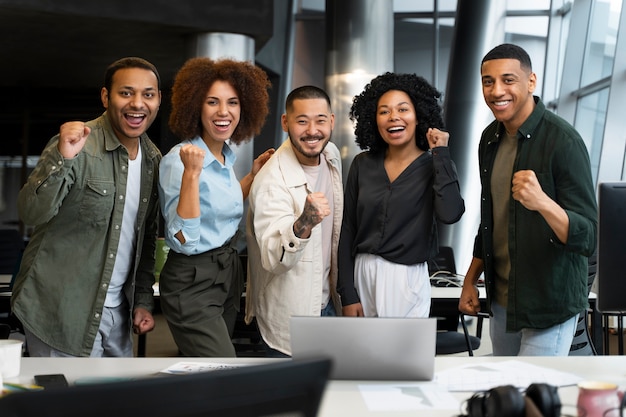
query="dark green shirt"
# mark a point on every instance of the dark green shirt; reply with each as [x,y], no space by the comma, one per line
[548,279]
[76,206]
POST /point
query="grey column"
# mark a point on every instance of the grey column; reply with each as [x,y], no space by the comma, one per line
[479,27]
[234,46]
[359,45]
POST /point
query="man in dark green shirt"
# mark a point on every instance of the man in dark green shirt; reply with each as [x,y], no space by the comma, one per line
[538,215]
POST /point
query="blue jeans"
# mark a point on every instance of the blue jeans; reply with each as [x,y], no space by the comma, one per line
[329,310]
[553,341]
[112,340]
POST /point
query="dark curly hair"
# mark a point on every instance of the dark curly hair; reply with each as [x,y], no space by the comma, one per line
[425,99]
[195,78]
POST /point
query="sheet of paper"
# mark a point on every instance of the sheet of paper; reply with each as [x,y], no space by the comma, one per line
[482,377]
[181,368]
[407,397]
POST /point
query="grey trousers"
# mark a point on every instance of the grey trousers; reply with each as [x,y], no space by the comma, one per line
[200,298]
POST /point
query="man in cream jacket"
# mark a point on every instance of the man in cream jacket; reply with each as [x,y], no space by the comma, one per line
[293,223]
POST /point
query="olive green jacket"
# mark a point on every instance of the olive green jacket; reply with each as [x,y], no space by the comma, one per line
[76,206]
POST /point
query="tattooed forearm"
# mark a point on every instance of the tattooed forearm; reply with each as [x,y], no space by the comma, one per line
[301,230]
[314,211]
[308,219]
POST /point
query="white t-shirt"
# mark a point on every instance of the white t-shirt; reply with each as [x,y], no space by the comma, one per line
[128,236]
[320,180]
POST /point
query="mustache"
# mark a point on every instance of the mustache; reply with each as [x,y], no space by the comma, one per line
[312,137]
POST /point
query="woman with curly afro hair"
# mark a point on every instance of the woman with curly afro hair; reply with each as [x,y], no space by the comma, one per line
[396,190]
[202,200]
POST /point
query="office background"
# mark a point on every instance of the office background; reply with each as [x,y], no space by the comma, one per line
[53,56]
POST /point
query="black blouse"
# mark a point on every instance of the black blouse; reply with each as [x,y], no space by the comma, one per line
[395,220]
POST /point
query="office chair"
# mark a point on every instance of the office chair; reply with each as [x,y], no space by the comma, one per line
[582,344]
[246,337]
[443,262]
[442,269]
[453,341]
[5,331]
[11,249]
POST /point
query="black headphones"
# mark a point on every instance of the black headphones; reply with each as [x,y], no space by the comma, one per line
[508,401]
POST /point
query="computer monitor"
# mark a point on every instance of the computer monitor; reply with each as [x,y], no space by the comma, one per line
[612,247]
[289,386]
[443,263]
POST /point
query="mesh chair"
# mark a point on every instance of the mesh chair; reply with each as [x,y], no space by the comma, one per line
[449,340]
[452,341]
[582,344]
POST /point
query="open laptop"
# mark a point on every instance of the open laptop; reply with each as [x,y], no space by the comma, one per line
[368,348]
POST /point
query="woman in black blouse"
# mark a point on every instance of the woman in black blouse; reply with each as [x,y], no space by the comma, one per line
[397,189]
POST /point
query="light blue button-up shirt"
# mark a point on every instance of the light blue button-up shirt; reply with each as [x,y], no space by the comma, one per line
[221,201]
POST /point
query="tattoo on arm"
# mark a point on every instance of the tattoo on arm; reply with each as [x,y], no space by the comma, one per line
[299,229]
[307,220]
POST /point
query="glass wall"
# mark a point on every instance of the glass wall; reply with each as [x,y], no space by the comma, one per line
[577,54]
[593,86]
[601,41]
[584,85]
[590,122]
[597,70]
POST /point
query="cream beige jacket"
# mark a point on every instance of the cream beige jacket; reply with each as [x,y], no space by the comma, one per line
[284,271]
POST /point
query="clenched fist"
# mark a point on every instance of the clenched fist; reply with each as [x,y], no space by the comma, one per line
[437,137]
[192,157]
[316,207]
[72,138]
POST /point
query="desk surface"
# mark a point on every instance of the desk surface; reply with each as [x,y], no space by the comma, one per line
[341,398]
[455,292]
[452,292]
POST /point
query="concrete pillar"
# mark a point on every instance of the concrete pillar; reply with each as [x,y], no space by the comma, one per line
[359,46]
[233,46]
[479,27]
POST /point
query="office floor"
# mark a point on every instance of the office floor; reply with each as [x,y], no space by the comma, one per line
[160,343]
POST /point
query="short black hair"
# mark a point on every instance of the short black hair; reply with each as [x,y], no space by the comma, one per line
[509,51]
[129,62]
[306,92]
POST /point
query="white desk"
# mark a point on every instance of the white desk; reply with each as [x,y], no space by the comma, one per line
[341,398]
[344,399]
[454,293]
